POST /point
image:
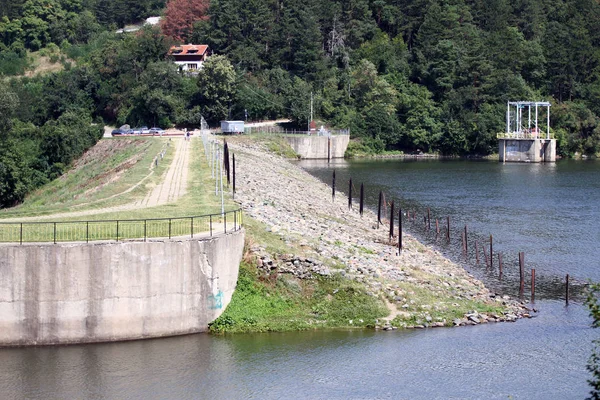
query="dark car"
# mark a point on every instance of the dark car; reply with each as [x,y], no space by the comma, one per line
[117,132]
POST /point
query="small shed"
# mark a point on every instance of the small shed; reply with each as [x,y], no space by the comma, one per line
[232,127]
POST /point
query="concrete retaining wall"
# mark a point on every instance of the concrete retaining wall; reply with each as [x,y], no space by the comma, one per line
[527,150]
[74,293]
[319,147]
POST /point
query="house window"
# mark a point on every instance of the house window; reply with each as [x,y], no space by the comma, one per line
[192,66]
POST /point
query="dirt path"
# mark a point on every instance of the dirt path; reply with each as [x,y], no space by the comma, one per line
[173,186]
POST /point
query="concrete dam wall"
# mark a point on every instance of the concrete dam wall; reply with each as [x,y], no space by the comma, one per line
[77,292]
[319,147]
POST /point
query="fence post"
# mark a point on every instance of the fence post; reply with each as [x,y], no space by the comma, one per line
[145,231]
[21,234]
[448,228]
[233,156]
[350,194]
[428,219]
[235,221]
[466,242]
[225,221]
[87,231]
[521,273]
[499,266]
[117,230]
[169,228]
[533,285]
[379,208]
[491,251]
[210,224]
[567,290]
[392,221]
[55,233]
[399,231]
[333,187]
[362,198]
[192,227]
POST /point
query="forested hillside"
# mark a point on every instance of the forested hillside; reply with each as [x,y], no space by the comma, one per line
[433,75]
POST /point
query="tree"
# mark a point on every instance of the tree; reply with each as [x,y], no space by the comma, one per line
[180,16]
[216,87]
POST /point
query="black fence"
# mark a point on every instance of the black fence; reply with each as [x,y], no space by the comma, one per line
[120,230]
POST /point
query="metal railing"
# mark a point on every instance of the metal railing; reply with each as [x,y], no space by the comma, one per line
[120,230]
[524,135]
[276,130]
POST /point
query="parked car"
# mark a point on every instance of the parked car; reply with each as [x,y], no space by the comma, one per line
[136,131]
[145,129]
[117,132]
[156,131]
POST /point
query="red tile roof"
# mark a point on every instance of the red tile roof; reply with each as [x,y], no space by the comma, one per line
[188,49]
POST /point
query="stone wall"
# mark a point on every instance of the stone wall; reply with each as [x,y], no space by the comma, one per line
[74,293]
[319,147]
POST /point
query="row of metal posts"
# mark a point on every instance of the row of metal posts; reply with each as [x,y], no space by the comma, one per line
[218,161]
[427,222]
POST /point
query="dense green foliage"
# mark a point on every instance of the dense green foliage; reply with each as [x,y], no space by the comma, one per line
[593,366]
[407,75]
[433,75]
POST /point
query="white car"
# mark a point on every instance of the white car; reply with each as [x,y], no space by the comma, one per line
[156,131]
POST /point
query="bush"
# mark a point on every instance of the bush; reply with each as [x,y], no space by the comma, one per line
[12,63]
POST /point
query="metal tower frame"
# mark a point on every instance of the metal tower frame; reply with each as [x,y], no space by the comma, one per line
[514,126]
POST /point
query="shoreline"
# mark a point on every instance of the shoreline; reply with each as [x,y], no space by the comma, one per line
[420,287]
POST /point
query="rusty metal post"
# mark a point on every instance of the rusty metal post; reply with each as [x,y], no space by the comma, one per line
[448,228]
[428,218]
[466,241]
[362,199]
[500,266]
[379,208]
[485,256]
[350,194]
[567,290]
[333,187]
[521,273]
[437,227]
[533,285]
[392,221]
[399,231]
[491,251]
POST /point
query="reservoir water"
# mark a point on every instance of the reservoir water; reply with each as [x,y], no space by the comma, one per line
[550,212]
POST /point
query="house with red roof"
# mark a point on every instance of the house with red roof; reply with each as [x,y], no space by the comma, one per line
[189,57]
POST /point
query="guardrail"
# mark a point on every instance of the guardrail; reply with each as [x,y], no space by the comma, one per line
[524,135]
[120,230]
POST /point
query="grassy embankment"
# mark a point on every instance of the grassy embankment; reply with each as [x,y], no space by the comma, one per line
[117,172]
[281,302]
[262,302]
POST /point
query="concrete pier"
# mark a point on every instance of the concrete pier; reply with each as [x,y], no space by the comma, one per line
[527,150]
[98,292]
[319,147]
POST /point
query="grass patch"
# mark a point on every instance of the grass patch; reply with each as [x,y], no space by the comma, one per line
[282,303]
[439,305]
[276,144]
